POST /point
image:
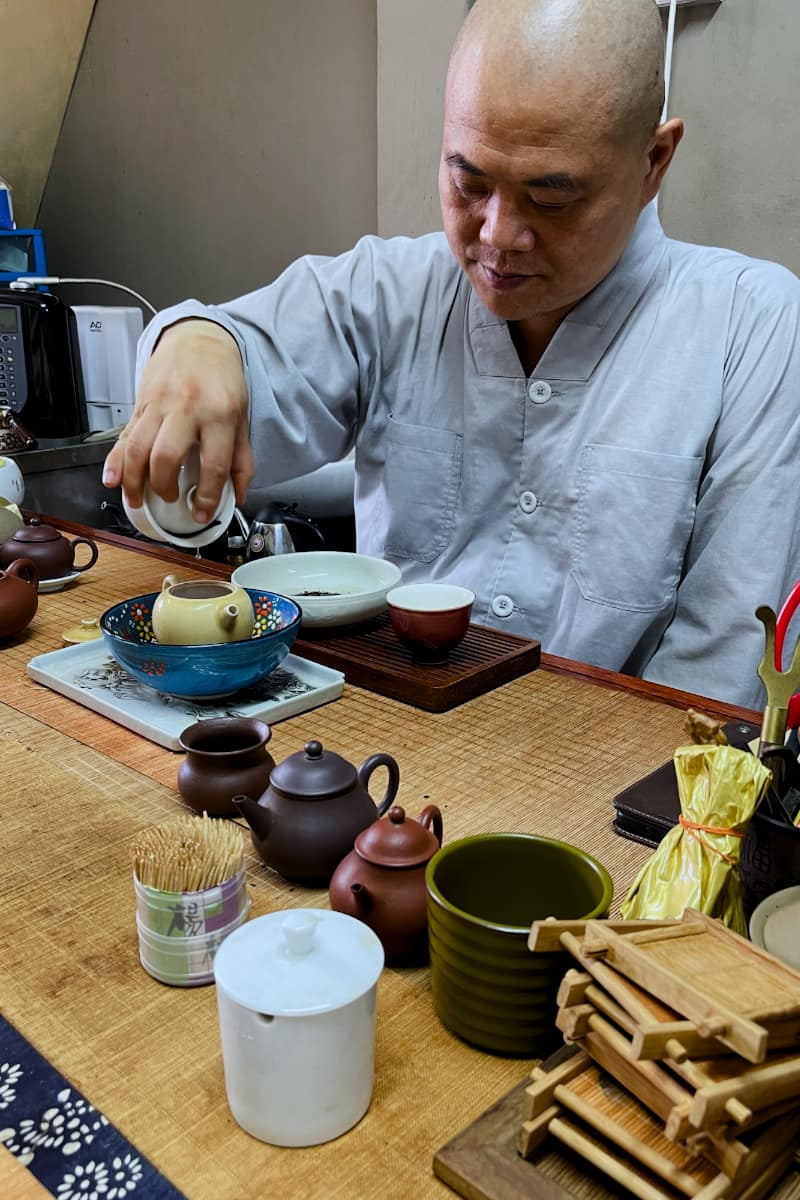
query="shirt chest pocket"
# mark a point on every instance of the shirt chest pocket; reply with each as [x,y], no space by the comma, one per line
[422,477]
[635,514]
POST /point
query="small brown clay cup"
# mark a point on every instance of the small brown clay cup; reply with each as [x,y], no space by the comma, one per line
[225,757]
[430,619]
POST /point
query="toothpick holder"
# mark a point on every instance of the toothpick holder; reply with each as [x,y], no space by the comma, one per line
[180,932]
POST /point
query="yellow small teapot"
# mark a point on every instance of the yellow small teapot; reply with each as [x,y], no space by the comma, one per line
[201,612]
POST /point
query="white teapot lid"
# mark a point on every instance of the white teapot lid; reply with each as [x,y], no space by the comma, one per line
[298,962]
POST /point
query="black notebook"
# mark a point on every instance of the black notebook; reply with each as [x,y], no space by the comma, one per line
[648,809]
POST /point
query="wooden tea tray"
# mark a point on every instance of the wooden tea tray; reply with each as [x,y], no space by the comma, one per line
[708,974]
[599,1120]
[657,1031]
[371,657]
[483,1163]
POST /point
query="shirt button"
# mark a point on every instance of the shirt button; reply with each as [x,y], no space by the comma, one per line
[539,391]
[528,502]
[502,606]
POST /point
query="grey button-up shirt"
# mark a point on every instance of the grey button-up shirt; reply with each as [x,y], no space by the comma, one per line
[630,504]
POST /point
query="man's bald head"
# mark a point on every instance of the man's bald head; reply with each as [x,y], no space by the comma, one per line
[608,54]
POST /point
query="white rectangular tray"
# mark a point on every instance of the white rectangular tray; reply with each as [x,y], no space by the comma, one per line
[87,673]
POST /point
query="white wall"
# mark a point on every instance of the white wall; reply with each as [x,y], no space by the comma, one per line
[736,179]
[42,42]
[414,42]
[206,145]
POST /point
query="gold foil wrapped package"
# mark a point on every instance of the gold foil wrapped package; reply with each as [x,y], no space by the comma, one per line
[720,788]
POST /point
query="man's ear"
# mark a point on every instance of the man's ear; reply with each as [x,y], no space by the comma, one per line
[660,151]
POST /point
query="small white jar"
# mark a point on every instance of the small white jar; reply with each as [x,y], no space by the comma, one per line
[296,1000]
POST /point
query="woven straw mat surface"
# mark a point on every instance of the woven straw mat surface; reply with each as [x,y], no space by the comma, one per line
[544,754]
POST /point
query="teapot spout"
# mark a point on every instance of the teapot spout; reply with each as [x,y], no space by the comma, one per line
[258,818]
[227,616]
[362,897]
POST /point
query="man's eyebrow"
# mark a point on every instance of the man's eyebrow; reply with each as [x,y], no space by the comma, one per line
[555,181]
[462,164]
[559,183]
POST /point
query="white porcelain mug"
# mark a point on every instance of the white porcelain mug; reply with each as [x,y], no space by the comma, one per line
[296,1001]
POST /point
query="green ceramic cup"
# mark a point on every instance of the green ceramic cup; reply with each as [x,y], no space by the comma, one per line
[483,894]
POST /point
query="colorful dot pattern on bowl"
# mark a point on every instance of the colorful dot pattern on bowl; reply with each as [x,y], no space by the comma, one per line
[269,613]
[197,671]
[133,619]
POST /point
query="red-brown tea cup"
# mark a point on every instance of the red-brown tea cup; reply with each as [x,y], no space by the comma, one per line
[430,619]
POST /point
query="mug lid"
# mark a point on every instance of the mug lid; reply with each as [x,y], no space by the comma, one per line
[35,531]
[298,962]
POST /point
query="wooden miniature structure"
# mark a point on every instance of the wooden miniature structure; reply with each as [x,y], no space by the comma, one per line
[685,1080]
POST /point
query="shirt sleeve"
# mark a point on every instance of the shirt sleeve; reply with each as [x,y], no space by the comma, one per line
[745,546]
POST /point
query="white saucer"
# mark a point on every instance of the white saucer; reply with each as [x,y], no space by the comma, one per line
[55,585]
[773,925]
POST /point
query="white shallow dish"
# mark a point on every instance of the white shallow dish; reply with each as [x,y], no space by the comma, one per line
[56,585]
[88,674]
[360,583]
[775,926]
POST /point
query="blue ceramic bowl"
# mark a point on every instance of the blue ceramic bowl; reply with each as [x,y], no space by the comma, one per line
[203,671]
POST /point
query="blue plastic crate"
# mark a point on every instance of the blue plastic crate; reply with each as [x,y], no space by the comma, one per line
[21,253]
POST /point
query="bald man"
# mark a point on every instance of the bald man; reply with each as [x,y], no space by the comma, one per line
[592,426]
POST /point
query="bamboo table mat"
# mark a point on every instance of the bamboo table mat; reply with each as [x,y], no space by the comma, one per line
[545,753]
[559,743]
[148,1056]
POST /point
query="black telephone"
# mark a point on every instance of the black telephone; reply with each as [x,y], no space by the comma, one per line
[41,382]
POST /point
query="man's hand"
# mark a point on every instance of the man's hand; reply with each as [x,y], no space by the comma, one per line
[192,391]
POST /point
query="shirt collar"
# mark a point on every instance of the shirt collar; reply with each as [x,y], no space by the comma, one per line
[588,330]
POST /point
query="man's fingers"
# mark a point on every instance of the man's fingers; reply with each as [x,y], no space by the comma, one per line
[216,453]
[169,449]
[154,449]
[112,467]
[243,465]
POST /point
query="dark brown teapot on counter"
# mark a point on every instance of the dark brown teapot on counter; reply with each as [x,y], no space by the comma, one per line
[315,806]
[382,881]
[52,553]
[19,597]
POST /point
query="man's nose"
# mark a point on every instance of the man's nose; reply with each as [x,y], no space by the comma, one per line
[504,226]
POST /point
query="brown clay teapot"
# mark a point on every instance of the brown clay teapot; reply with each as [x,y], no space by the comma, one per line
[19,597]
[314,807]
[52,553]
[382,881]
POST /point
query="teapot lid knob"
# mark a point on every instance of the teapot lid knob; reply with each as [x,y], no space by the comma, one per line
[298,932]
[397,815]
[313,749]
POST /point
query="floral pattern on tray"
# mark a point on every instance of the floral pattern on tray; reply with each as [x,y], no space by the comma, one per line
[110,677]
[89,675]
[71,1148]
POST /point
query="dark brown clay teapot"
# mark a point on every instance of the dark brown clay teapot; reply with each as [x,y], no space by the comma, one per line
[19,597]
[315,806]
[52,553]
[382,881]
[225,756]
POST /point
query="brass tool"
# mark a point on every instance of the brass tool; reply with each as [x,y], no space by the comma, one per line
[780,687]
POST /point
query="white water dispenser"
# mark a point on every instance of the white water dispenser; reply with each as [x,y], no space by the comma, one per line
[107,337]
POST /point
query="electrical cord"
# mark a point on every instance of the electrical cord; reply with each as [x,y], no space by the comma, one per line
[25,282]
[673,5]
